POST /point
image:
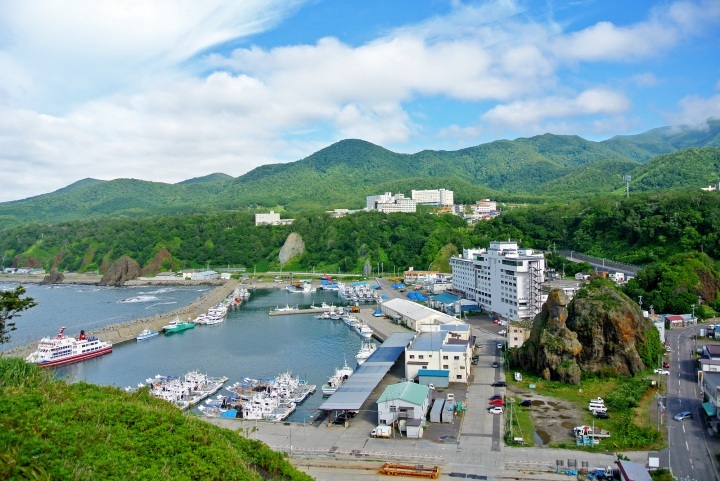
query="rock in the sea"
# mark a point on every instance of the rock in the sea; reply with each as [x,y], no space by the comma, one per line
[293,247]
[600,331]
[123,269]
[54,277]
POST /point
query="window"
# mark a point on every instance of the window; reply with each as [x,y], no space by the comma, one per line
[412,356]
[421,356]
[445,366]
[457,358]
[459,377]
[445,358]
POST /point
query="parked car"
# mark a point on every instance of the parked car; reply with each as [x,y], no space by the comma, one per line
[495,364]
[502,332]
[499,346]
[495,410]
[499,384]
[662,371]
[526,403]
[601,414]
[683,415]
[496,396]
[497,402]
[666,365]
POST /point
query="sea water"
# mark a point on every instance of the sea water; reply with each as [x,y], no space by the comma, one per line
[250,343]
[88,307]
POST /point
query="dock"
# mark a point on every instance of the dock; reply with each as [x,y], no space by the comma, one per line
[292,312]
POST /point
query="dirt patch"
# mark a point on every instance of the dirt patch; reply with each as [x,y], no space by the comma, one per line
[554,418]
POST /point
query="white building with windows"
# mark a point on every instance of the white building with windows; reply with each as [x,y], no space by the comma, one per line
[439,350]
[434,197]
[484,206]
[271,218]
[506,280]
[390,203]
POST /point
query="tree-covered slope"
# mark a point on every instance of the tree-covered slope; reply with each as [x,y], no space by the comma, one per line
[343,174]
[688,169]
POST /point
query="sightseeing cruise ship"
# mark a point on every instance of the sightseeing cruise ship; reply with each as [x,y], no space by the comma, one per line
[65,350]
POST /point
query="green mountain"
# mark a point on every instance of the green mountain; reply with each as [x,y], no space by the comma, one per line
[343,174]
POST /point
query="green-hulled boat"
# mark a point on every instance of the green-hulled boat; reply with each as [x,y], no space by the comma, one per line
[176,325]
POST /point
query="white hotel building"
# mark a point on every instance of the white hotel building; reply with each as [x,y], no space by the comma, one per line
[502,279]
[390,203]
[438,197]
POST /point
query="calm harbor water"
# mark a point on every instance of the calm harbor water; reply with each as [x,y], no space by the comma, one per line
[91,307]
[250,343]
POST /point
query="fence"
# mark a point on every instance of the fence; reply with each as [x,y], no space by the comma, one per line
[601,262]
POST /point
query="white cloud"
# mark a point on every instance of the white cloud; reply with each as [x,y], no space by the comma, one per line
[695,111]
[645,79]
[534,111]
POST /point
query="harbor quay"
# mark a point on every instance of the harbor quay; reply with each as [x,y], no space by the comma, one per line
[472,445]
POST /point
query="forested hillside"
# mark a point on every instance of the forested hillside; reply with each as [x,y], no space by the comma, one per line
[539,169]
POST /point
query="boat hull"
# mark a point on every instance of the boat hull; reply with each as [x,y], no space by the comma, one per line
[76,358]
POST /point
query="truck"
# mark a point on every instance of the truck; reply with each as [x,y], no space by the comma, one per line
[595,432]
[381,432]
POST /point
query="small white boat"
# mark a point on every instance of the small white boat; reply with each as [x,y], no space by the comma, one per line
[364,330]
[366,350]
[336,380]
[287,308]
[147,334]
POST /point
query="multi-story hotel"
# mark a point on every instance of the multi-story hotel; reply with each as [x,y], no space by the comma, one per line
[433,197]
[503,279]
[389,203]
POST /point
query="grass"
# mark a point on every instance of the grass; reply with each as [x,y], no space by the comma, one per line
[51,430]
[632,427]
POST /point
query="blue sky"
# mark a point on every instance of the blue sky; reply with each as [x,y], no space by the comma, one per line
[168,90]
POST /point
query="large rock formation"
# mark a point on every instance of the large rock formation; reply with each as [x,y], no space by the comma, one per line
[54,277]
[163,257]
[293,247]
[123,269]
[600,331]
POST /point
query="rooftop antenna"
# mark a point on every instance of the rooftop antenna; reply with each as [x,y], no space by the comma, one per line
[627,179]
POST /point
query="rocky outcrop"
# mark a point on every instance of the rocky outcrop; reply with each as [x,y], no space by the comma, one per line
[600,331]
[293,247]
[54,277]
[163,257]
[123,269]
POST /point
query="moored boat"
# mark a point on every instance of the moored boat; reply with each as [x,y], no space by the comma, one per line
[366,350]
[337,379]
[146,334]
[364,330]
[176,325]
[62,349]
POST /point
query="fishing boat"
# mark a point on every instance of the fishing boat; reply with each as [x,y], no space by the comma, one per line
[337,379]
[366,350]
[146,334]
[364,330]
[177,326]
[186,391]
[287,308]
[62,349]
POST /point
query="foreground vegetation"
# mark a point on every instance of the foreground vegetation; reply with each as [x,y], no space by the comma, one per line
[51,430]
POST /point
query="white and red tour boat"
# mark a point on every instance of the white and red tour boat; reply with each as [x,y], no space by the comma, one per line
[65,350]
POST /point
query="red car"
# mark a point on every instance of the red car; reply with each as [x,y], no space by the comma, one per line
[666,365]
[497,402]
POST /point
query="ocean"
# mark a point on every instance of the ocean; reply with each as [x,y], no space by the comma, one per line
[250,343]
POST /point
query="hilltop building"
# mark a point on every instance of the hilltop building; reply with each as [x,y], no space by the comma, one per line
[390,203]
[439,197]
[271,218]
[503,279]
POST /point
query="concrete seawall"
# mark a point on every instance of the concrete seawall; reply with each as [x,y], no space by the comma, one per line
[127,331]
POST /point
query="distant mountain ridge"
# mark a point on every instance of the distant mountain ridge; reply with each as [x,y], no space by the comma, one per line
[342,174]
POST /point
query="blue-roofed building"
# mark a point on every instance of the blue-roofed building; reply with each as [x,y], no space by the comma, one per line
[436,377]
[443,349]
[405,400]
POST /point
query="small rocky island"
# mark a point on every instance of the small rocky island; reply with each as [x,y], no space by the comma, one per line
[600,331]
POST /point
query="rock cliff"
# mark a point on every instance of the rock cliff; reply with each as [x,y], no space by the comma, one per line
[600,331]
[123,269]
[293,247]
[54,277]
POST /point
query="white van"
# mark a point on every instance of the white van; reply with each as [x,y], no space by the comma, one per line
[597,407]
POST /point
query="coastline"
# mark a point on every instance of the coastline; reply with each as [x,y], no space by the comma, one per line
[127,331]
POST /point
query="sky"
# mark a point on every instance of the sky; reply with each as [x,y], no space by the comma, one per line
[169,90]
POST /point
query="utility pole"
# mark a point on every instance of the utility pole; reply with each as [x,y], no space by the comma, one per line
[627,179]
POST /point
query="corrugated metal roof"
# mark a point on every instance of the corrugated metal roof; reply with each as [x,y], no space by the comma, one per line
[416,311]
[434,341]
[355,391]
[446,298]
[405,391]
[433,372]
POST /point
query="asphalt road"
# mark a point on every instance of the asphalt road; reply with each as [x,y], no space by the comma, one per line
[691,448]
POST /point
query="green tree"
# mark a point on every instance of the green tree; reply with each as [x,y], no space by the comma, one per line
[11,304]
